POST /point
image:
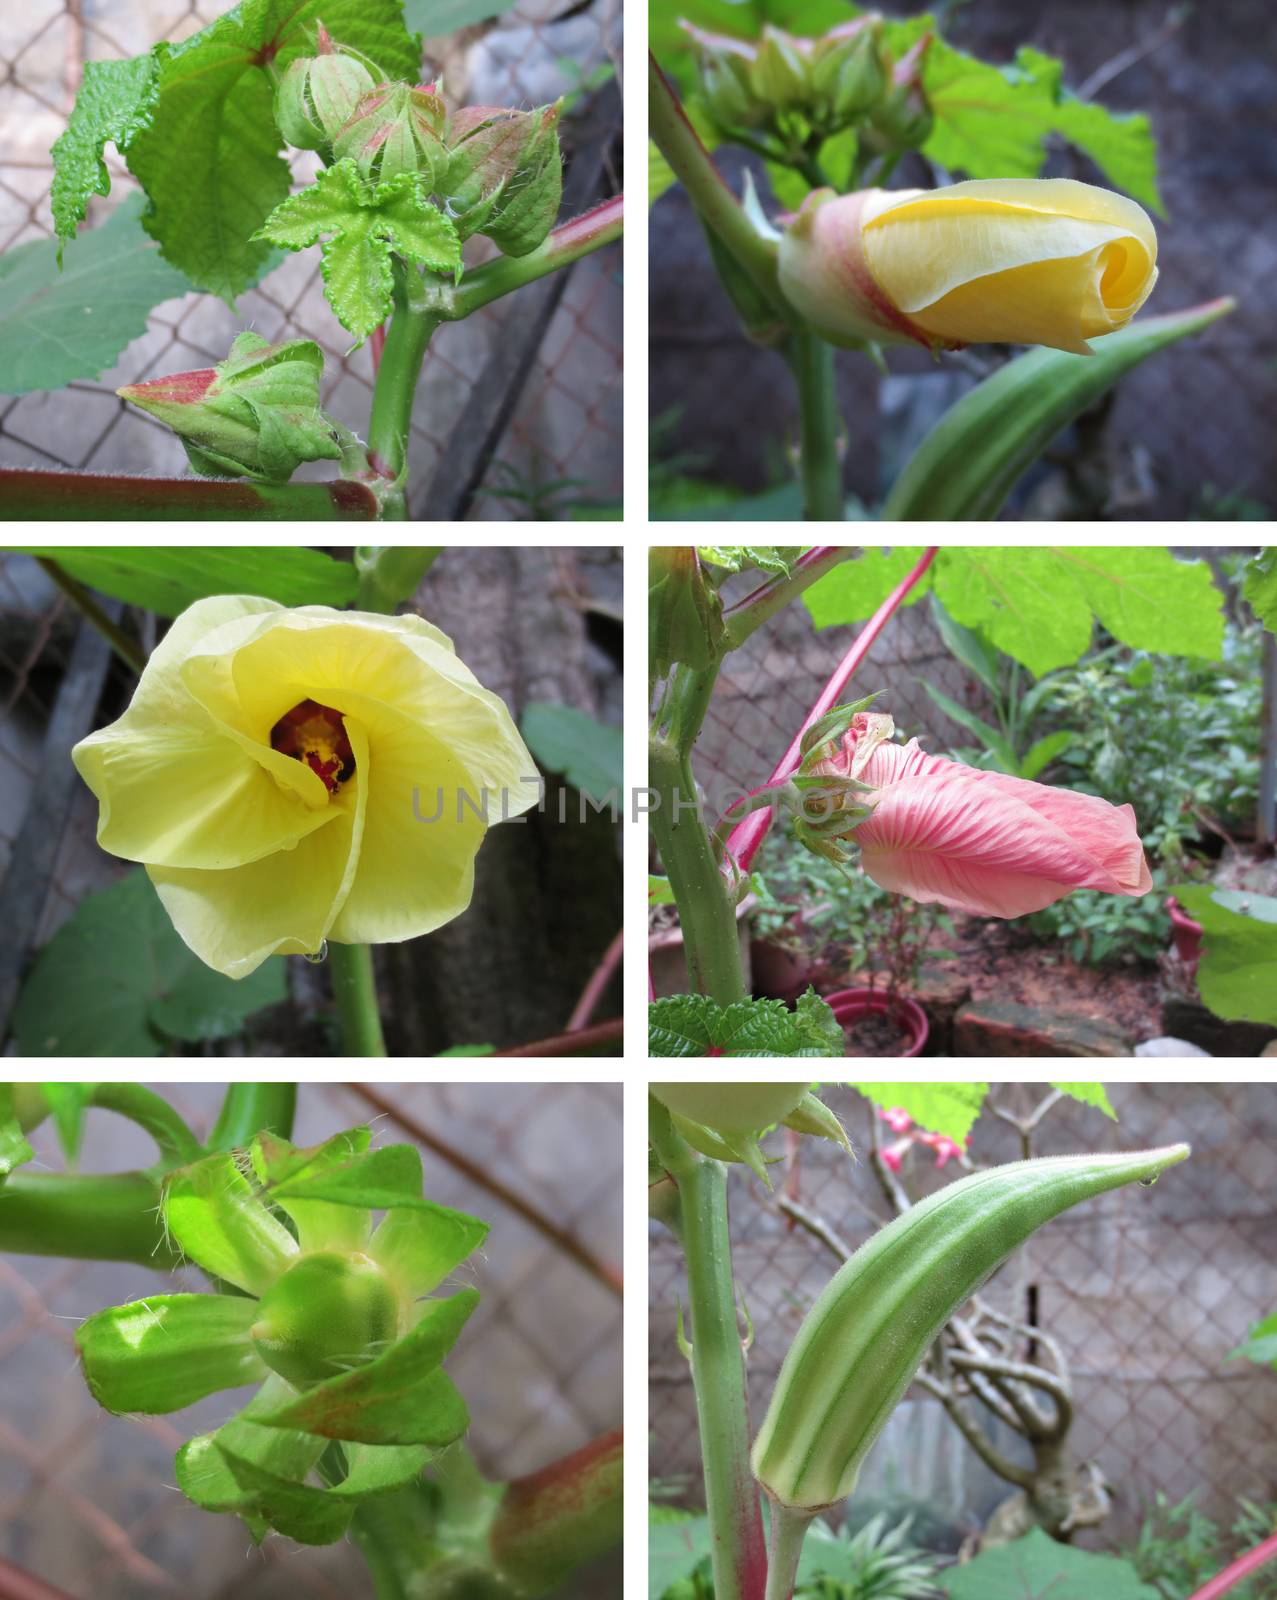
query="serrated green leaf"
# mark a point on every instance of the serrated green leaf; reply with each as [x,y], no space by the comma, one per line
[168,580]
[1239,951]
[588,753]
[950,1109]
[317,1516]
[116,100]
[160,1354]
[210,161]
[971,460]
[14,1149]
[1260,587]
[217,1221]
[695,1025]
[56,326]
[1088,1094]
[855,589]
[779,561]
[115,975]
[1151,599]
[360,223]
[1038,1567]
[401,1397]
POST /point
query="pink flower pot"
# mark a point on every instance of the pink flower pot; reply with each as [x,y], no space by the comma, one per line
[1186,934]
[850,1005]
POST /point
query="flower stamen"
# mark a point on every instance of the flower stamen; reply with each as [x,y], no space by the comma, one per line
[316,735]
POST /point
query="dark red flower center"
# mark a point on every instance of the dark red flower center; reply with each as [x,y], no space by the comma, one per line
[316,735]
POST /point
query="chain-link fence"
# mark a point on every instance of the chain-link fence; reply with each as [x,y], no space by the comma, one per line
[562,444]
[1147,1292]
[1186,434]
[88,1501]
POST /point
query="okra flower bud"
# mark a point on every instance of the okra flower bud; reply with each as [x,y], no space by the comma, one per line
[504,177]
[848,75]
[867,1333]
[255,415]
[317,94]
[396,129]
[1028,261]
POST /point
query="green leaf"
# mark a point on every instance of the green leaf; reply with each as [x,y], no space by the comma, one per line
[1260,587]
[659,891]
[987,125]
[588,753]
[59,325]
[167,580]
[1239,951]
[971,460]
[673,1549]
[401,1397]
[14,1149]
[1044,751]
[950,1109]
[217,1221]
[1088,1094]
[434,18]
[116,100]
[312,1515]
[740,558]
[115,980]
[166,1352]
[975,654]
[854,590]
[695,1025]
[1038,1568]
[990,738]
[362,223]
[1261,1345]
[209,161]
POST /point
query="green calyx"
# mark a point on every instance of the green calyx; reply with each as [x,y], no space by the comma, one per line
[328,1313]
[505,175]
[725,1120]
[255,415]
[864,1338]
[396,129]
[318,95]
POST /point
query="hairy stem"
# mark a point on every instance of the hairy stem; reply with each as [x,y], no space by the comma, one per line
[355,992]
[774,595]
[252,1108]
[85,1218]
[556,1520]
[407,338]
[812,360]
[566,244]
[718,1365]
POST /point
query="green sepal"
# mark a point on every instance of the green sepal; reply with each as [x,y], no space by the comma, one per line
[831,727]
[166,1352]
[401,1397]
[684,611]
[204,1475]
[504,177]
[811,1115]
[213,1215]
[14,1149]
[314,1515]
[741,1147]
[320,1225]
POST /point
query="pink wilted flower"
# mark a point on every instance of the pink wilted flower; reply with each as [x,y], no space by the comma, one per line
[893,1154]
[946,1149]
[897,1120]
[976,841]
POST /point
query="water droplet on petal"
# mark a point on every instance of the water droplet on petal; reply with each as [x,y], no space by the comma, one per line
[1147,1183]
[319,955]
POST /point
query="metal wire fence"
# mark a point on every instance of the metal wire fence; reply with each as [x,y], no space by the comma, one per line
[88,1501]
[1148,1293]
[564,434]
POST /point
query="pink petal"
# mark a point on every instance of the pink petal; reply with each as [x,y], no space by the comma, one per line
[989,845]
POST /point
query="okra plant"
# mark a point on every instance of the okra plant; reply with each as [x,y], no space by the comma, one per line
[331,1288]
[405,177]
[864,1338]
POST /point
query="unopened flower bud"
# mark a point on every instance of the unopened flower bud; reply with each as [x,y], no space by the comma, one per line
[903,119]
[779,74]
[504,177]
[848,74]
[326,1314]
[256,415]
[725,85]
[396,129]
[317,95]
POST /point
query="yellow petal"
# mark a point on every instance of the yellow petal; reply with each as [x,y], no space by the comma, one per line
[284,904]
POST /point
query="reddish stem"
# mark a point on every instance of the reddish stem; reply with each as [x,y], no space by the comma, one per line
[1232,1575]
[15,1584]
[748,834]
[377,344]
[579,1042]
[583,1010]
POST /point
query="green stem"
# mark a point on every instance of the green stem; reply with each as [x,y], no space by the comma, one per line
[356,995]
[812,360]
[131,654]
[788,1530]
[718,1365]
[568,243]
[88,1218]
[177,1144]
[714,202]
[390,573]
[252,1108]
[706,910]
[407,339]
[556,1520]
[773,596]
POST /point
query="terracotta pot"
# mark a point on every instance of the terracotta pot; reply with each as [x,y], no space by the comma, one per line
[1185,933]
[665,962]
[850,1005]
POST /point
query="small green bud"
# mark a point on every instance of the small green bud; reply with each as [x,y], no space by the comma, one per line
[903,119]
[256,415]
[725,85]
[317,95]
[396,129]
[779,74]
[504,176]
[327,1313]
[848,75]
[684,611]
